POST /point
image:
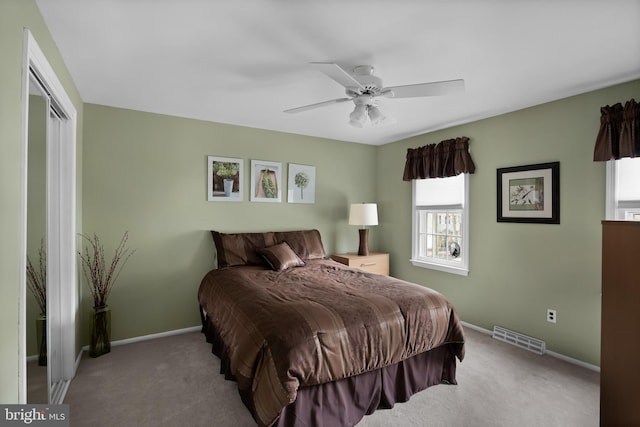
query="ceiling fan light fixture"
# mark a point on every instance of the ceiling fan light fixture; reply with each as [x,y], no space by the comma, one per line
[358,116]
[375,115]
[363,87]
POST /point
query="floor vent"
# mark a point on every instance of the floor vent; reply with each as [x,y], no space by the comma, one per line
[519,340]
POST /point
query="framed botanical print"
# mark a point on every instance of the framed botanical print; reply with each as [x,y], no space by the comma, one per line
[529,193]
[266,181]
[224,179]
[301,186]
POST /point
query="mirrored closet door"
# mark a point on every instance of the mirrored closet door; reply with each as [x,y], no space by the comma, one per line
[49,287]
[43,304]
[36,309]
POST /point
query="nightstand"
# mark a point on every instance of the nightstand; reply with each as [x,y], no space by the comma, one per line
[375,262]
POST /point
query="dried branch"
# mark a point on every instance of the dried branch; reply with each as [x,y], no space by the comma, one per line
[37,278]
[94,266]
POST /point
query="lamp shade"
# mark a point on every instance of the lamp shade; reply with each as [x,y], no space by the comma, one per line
[359,116]
[363,214]
[375,115]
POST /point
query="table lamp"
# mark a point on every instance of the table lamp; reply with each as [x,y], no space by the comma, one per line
[363,214]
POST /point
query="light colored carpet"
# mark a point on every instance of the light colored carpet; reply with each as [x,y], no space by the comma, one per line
[174,381]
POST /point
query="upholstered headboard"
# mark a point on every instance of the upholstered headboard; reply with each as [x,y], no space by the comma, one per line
[235,249]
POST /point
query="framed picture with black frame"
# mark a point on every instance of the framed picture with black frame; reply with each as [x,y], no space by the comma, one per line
[529,194]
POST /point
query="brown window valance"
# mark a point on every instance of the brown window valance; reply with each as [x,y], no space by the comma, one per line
[447,158]
[619,134]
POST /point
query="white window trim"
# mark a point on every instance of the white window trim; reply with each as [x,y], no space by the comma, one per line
[462,269]
[613,211]
[610,207]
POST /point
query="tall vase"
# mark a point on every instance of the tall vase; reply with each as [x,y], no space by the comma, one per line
[41,336]
[100,331]
[228,187]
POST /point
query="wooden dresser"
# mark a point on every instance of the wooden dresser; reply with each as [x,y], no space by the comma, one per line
[375,262]
[620,343]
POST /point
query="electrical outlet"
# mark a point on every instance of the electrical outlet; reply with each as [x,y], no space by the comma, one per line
[551,315]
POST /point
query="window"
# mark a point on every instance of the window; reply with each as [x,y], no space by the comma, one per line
[623,189]
[441,224]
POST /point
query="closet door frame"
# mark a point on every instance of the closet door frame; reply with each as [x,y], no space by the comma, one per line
[61,218]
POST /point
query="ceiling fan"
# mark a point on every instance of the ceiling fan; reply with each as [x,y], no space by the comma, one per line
[363,88]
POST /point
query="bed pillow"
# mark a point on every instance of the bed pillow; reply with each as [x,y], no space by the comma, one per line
[307,244]
[280,257]
[234,249]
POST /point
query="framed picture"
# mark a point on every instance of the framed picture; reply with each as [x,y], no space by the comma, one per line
[529,193]
[224,179]
[301,186]
[266,181]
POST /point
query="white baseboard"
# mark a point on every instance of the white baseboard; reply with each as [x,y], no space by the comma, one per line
[550,353]
[574,361]
[465,324]
[75,368]
[151,336]
[477,328]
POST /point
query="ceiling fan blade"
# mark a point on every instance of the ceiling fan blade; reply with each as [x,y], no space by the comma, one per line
[446,87]
[337,73]
[316,105]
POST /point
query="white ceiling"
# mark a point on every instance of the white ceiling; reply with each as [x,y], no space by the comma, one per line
[244,62]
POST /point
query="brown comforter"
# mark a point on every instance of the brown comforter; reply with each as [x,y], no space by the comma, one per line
[318,323]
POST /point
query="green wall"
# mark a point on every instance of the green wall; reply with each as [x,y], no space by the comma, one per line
[517,271]
[15,15]
[146,173]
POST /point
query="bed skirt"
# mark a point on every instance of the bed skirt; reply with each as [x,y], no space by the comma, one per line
[345,402]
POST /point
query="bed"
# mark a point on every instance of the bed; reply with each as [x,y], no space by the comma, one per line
[312,342]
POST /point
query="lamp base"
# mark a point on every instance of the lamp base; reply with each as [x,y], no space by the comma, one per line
[364,246]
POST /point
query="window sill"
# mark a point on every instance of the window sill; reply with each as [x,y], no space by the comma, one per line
[461,271]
